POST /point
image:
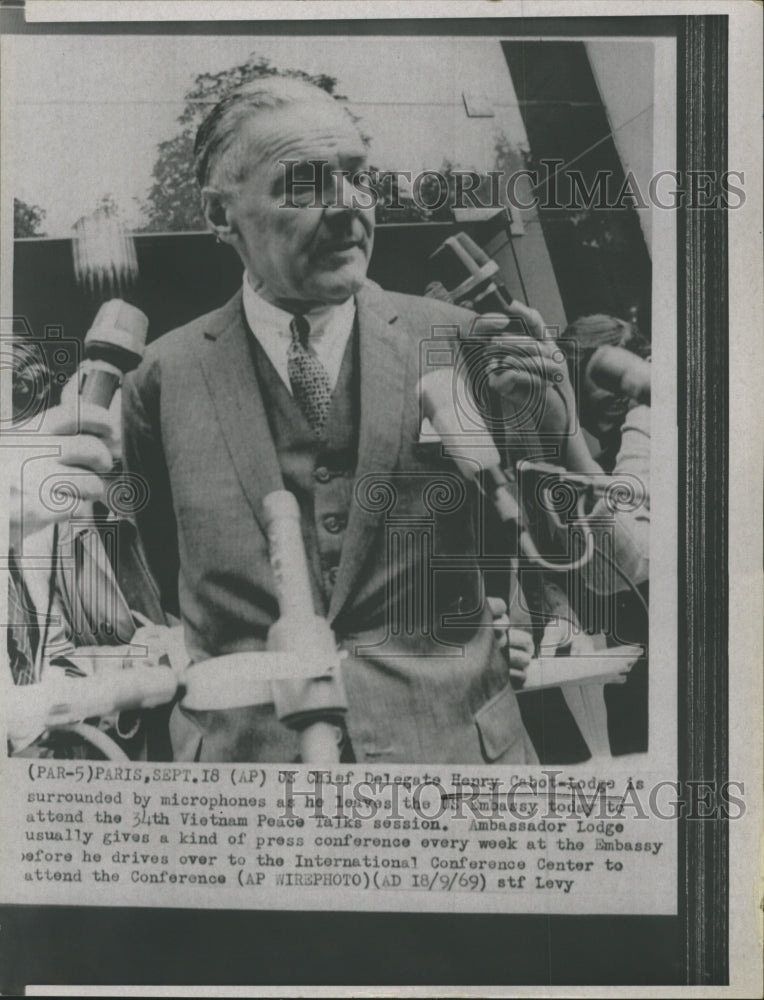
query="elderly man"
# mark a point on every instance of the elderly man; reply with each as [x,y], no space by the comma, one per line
[307,380]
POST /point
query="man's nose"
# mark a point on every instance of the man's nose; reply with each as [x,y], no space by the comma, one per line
[341,200]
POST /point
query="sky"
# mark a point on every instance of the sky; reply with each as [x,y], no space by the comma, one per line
[84,114]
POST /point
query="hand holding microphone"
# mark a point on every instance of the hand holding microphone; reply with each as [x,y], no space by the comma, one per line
[477,458]
[473,451]
[41,486]
[85,428]
[114,346]
[471,448]
[299,671]
[533,376]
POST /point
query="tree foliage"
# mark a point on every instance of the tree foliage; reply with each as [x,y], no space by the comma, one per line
[173,203]
[27,219]
[173,198]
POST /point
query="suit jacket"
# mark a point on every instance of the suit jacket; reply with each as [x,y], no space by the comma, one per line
[195,427]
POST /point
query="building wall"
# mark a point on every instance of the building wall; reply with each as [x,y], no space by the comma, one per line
[624,74]
[420,121]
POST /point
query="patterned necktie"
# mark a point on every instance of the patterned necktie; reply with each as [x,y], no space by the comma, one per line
[308,377]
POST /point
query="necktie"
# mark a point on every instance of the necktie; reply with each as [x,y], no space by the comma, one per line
[308,377]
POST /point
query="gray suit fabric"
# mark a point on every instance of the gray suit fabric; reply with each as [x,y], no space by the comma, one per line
[200,414]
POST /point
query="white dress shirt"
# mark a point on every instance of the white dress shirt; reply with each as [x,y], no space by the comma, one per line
[330,329]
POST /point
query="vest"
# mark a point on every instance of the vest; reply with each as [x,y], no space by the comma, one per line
[319,471]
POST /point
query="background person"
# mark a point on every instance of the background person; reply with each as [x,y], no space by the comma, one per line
[606,361]
[79,602]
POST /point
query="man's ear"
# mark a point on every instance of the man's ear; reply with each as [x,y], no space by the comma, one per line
[216,214]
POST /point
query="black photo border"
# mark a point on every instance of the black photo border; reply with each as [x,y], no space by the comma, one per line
[97,945]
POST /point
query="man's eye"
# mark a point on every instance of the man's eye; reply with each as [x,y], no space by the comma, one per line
[303,190]
[302,196]
[303,184]
[361,178]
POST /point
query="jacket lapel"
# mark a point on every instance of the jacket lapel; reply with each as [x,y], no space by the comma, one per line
[384,359]
[233,386]
[231,379]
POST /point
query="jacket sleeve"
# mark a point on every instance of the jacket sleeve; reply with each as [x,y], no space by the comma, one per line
[144,457]
[625,532]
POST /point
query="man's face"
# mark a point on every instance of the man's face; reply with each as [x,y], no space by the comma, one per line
[303,254]
[602,411]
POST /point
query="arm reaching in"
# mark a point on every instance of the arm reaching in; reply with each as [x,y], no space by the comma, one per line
[50,488]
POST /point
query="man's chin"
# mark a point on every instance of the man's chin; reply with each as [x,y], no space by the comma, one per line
[336,288]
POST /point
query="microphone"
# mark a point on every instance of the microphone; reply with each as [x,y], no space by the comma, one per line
[619,371]
[467,273]
[59,700]
[473,450]
[478,460]
[311,704]
[114,346]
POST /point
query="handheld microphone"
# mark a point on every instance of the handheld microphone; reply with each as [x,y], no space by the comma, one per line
[621,372]
[114,346]
[477,458]
[310,703]
[472,451]
[467,273]
[64,701]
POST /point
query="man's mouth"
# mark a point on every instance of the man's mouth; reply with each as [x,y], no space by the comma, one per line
[341,246]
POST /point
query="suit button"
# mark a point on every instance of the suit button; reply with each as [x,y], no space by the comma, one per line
[322,474]
[331,576]
[334,523]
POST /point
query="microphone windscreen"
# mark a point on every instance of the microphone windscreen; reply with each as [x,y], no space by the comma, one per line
[459,259]
[470,247]
[286,552]
[472,447]
[280,505]
[120,326]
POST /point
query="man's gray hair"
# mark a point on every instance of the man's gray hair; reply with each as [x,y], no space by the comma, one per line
[220,128]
